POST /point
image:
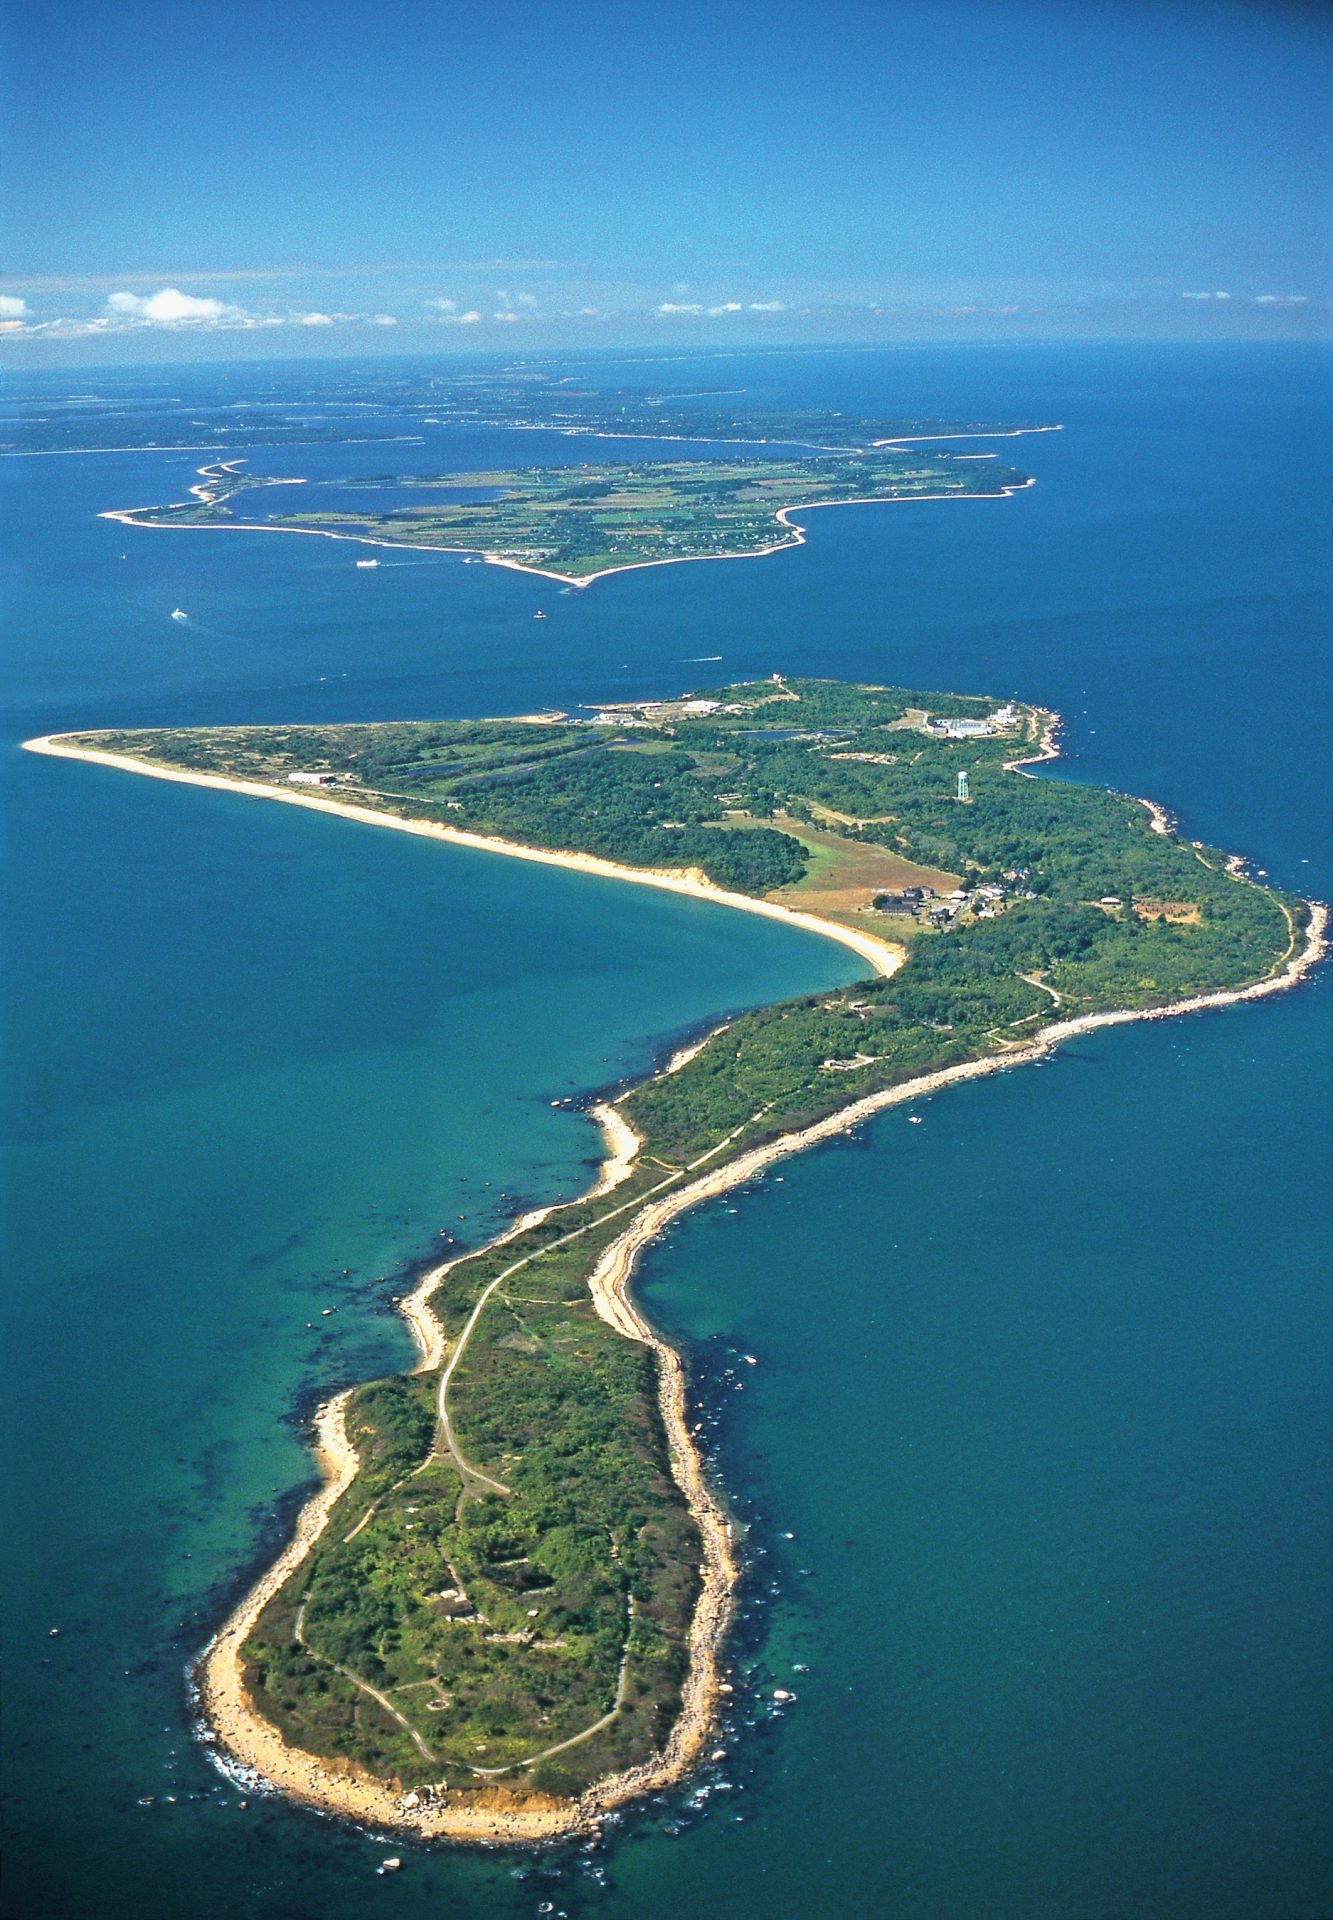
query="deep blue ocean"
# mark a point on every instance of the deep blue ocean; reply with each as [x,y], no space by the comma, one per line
[1036,1452]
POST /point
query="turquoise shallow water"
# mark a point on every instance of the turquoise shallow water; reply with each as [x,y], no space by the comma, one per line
[1041,1386]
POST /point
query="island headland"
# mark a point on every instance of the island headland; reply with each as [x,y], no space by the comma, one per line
[505,1612]
[576,525]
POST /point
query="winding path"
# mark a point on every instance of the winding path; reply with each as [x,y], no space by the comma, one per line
[576,1739]
[465,1466]
[298,1634]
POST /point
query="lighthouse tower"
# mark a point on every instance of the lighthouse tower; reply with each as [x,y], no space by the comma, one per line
[963,793]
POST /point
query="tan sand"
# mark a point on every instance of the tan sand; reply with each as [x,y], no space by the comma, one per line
[623,1143]
[883,956]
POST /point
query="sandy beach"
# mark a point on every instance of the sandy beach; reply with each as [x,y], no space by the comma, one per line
[996,433]
[883,956]
[498,1816]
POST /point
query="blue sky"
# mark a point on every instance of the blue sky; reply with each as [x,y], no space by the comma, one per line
[222,179]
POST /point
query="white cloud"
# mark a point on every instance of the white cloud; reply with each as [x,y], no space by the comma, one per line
[527,299]
[1206,296]
[443,306]
[1280,299]
[60,329]
[722,307]
[171,308]
[468,319]
[505,313]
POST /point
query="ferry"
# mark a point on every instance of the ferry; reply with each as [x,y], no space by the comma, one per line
[367,563]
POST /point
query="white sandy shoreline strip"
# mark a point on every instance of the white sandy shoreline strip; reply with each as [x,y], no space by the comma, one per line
[611,1275]
[884,957]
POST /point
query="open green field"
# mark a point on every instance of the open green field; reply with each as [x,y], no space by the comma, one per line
[507,1599]
[843,875]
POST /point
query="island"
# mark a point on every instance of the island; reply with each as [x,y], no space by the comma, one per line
[578,523]
[506,1611]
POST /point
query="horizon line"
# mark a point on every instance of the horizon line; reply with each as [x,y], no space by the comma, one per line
[665,350]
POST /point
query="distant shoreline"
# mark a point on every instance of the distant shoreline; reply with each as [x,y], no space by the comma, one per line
[493,1817]
[128,516]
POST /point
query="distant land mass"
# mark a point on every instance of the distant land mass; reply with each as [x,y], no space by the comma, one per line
[506,1612]
[577,524]
[748,470]
[389,402]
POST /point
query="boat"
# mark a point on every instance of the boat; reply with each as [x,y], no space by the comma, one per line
[539,615]
[367,563]
[179,613]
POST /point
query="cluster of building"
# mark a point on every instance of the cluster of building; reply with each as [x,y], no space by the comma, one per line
[937,910]
[910,901]
[1000,721]
[652,713]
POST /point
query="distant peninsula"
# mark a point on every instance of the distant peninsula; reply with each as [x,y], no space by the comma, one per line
[506,1612]
[577,524]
